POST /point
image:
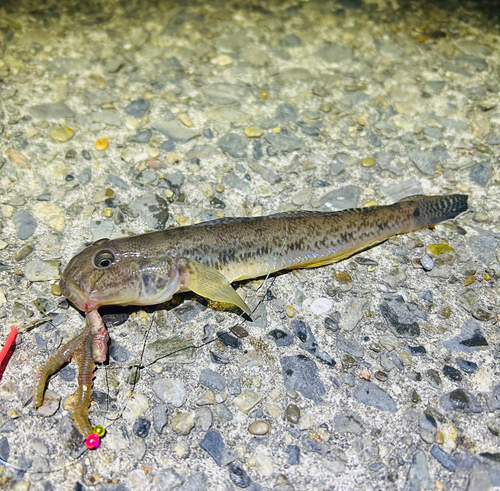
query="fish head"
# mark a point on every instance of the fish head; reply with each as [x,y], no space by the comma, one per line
[103,274]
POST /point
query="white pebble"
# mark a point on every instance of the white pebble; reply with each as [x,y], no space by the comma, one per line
[321,305]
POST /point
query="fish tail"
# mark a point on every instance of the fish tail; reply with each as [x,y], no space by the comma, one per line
[429,210]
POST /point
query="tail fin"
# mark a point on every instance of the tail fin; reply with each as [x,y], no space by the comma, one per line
[430,210]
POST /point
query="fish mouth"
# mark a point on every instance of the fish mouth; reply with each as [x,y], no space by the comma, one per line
[76,296]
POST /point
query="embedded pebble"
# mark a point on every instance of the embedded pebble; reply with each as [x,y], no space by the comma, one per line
[301,373]
[182,423]
[370,394]
[61,133]
[171,391]
[138,108]
[25,224]
[42,270]
[247,400]
[238,476]
[283,143]
[51,214]
[212,380]
[321,306]
[214,445]
[259,428]
[292,413]
[234,145]
[50,404]
[398,316]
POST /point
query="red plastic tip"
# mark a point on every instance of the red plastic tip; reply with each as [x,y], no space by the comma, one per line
[93,441]
[10,341]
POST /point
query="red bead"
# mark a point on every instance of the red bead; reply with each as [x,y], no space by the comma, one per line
[92,441]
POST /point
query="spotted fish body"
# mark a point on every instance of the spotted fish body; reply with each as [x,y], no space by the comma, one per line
[205,258]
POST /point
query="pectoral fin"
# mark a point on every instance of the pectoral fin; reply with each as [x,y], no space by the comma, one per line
[208,283]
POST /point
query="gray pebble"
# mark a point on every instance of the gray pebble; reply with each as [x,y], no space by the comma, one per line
[433,132]
[290,41]
[466,366]
[418,478]
[214,445]
[292,455]
[171,391]
[350,346]
[444,458]
[118,352]
[25,224]
[207,133]
[233,144]
[110,117]
[452,124]
[57,110]
[212,380]
[4,449]
[40,467]
[427,262]
[333,53]
[232,181]
[281,337]
[175,130]
[301,373]
[493,400]
[203,418]
[309,343]
[285,113]
[223,413]
[170,350]
[203,151]
[481,173]
[238,476]
[267,174]
[401,189]
[68,373]
[152,209]
[168,479]
[118,182]
[225,93]
[398,316]
[160,418]
[85,176]
[188,310]
[283,143]
[348,423]
[471,338]
[138,108]
[234,386]
[461,401]
[373,139]
[175,179]
[339,199]
[100,229]
[425,162]
[142,136]
[168,145]
[370,394]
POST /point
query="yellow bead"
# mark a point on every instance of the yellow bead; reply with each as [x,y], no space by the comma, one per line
[263,94]
[102,144]
[100,430]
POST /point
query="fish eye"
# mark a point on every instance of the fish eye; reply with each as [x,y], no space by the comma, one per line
[104,259]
